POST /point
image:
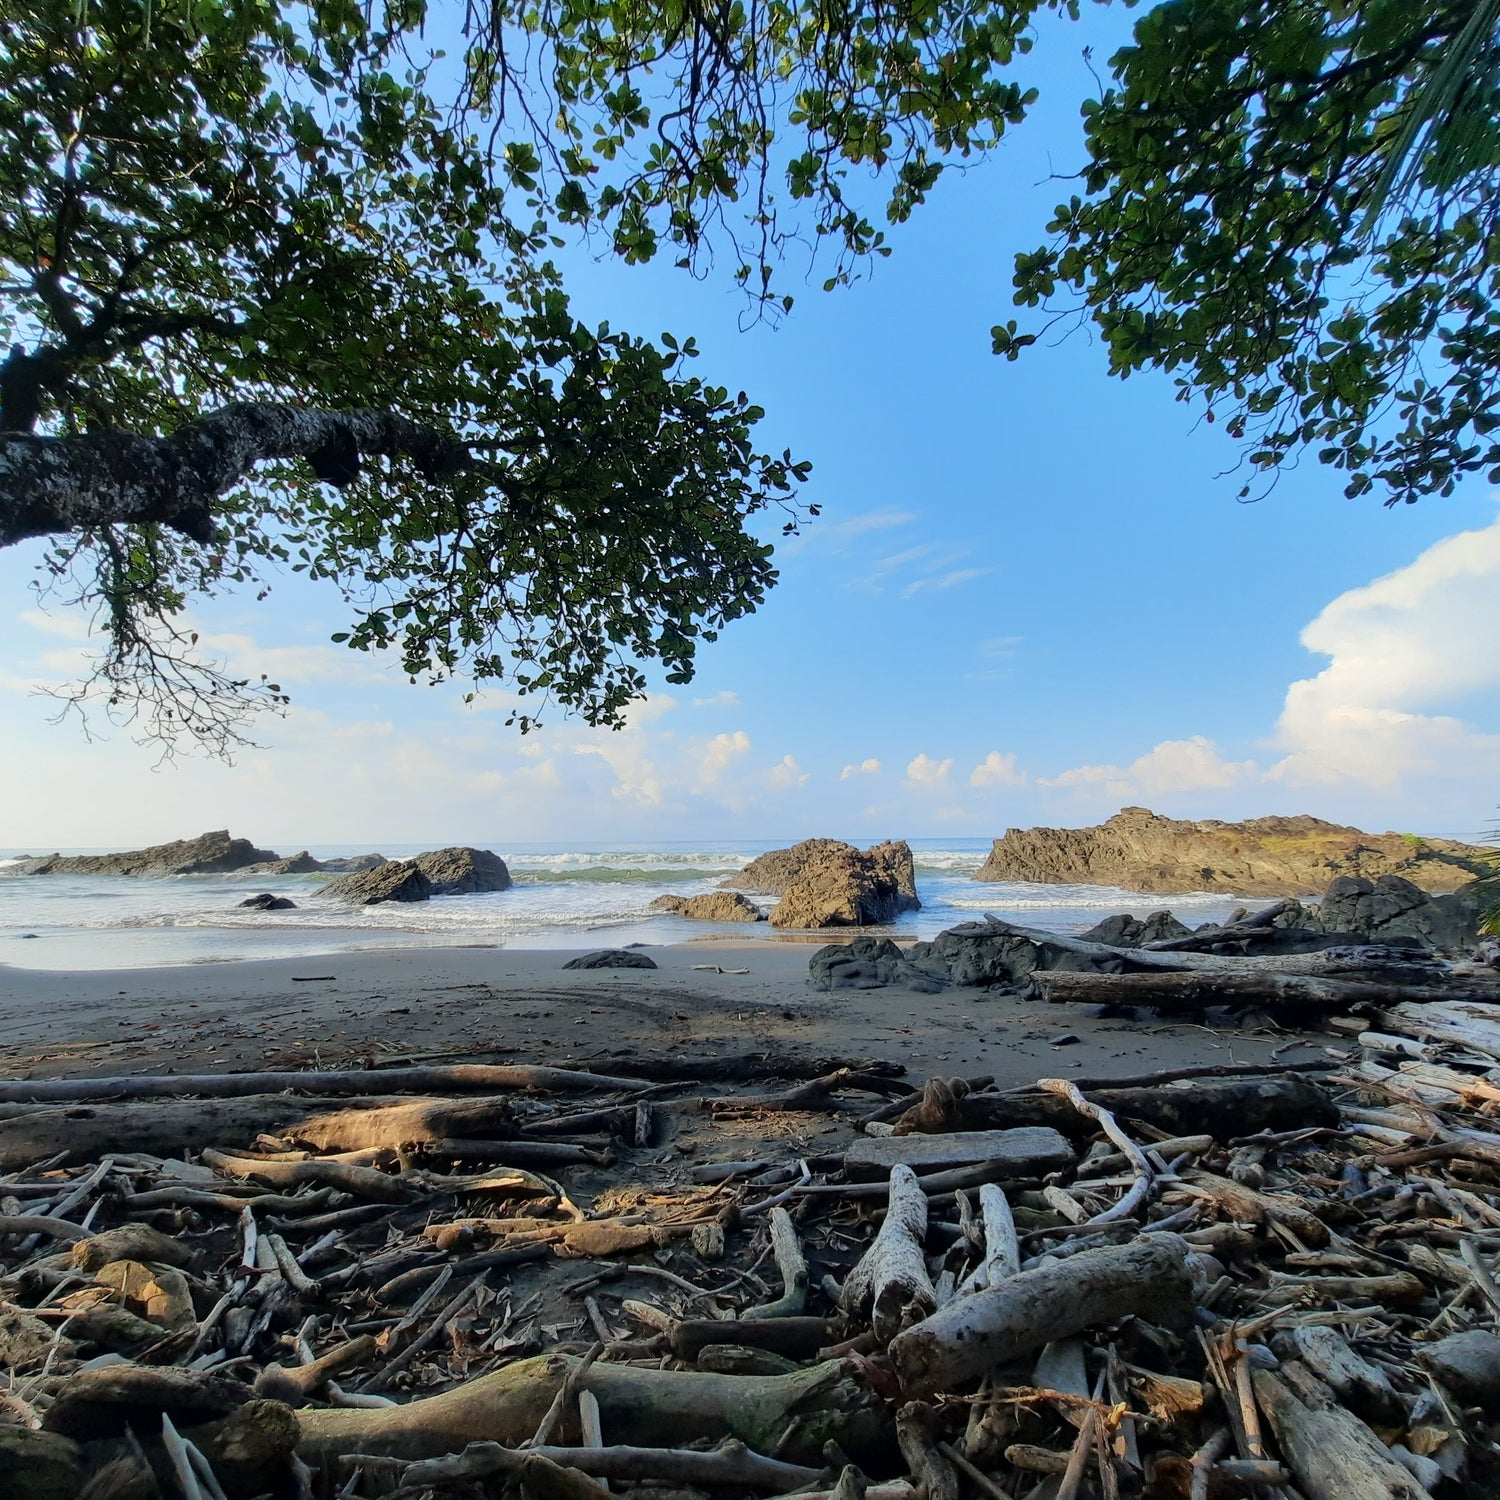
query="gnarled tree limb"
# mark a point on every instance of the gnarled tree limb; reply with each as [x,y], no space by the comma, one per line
[82,481]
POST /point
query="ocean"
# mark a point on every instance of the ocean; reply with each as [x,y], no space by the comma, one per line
[564,897]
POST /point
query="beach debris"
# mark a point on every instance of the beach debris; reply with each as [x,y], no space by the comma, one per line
[1206,1282]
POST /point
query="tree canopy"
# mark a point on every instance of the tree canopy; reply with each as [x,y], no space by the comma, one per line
[1292,206]
[276,284]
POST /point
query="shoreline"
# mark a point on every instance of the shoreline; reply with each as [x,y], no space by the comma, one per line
[381,1006]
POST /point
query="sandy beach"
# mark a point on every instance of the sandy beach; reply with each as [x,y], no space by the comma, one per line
[493,1004]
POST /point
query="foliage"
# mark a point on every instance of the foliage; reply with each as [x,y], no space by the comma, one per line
[1292,206]
[255,202]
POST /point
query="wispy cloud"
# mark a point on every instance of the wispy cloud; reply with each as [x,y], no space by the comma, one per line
[728,698]
[786,773]
[949,580]
[867,767]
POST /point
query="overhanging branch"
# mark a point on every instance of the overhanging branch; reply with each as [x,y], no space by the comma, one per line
[82,481]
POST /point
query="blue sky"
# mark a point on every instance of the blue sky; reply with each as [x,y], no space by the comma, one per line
[1032,597]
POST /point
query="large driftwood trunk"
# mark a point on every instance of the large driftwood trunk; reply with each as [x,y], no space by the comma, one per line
[891,1276]
[654,1408]
[165,1128]
[453,1077]
[1331,1453]
[1267,988]
[1148,1277]
[1221,1107]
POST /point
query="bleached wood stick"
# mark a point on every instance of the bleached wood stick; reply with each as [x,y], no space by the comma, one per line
[892,1274]
[792,1264]
[1128,1148]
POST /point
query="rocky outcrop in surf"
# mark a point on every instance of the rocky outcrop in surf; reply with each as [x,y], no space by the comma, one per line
[462,871]
[395,880]
[828,883]
[1139,850]
[208,854]
[715,906]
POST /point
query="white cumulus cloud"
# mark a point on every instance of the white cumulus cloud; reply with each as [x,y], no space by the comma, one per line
[787,773]
[1188,765]
[1419,638]
[718,753]
[926,771]
[997,770]
[867,767]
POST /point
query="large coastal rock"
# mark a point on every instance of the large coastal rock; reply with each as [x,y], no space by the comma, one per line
[1139,850]
[1391,910]
[305,864]
[716,906]
[828,883]
[395,880]
[870,963]
[463,871]
[208,854]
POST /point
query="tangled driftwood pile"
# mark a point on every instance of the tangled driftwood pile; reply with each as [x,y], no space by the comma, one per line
[1204,1284]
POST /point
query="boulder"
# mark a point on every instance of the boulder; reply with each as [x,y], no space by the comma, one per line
[828,883]
[1125,931]
[396,880]
[208,854]
[716,906]
[267,902]
[992,954]
[869,963]
[1468,1364]
[612,958]
[1393,910]
[1139,850]
[462,871]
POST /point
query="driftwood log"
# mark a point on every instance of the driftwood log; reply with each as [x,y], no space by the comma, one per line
[1331,1453]
[891,1277]
[455,1077]
[1267,989]
[1224,1108]
[1148,1278]
[657,1408]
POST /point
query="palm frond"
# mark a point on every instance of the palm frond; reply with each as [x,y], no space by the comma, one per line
[1438,132]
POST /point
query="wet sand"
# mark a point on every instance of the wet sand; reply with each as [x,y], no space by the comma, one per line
[500,1005]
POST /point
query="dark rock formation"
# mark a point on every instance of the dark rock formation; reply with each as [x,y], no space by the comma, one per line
[611,958]
[462,871]
[828,883]
[869,963]
[1141,851]
[1390,910]
[1125,931]
[993,953]
[349,863]
[295,864]
[716,906]
[395,880]
[267,902]
[208,854]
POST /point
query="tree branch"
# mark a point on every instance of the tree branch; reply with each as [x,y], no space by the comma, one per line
[82,481]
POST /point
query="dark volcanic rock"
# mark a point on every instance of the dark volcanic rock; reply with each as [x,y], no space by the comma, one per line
[395,880]
[267,902]
[611,958]
[869,963]
[1391,909]
[716,906]
[294,864]
[1125,931]
[1142,851]
[350,863]
[462,871]
[208,854]
[993,953]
